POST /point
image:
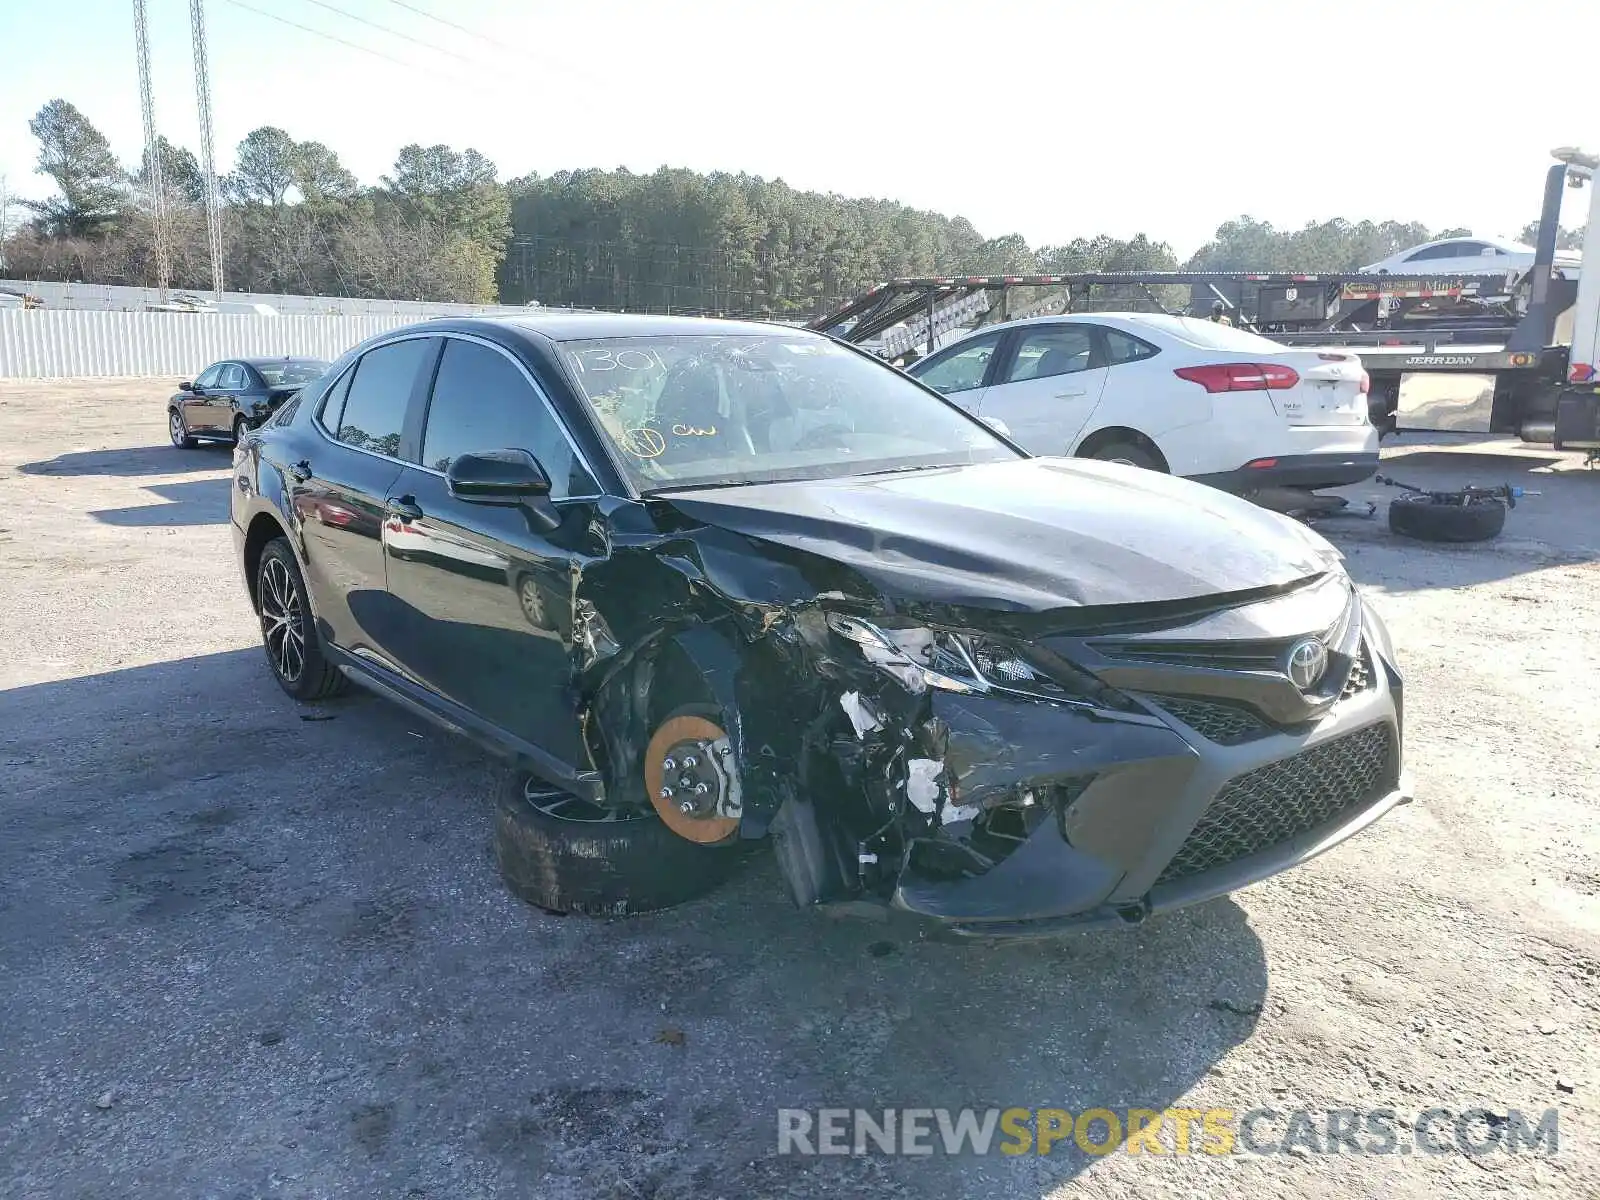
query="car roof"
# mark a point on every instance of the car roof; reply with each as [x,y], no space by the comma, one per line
[1505,244]
[266,360]
[1129,321]
[581,326]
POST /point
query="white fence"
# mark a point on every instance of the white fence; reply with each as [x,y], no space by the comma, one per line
[67,343]
[136,299]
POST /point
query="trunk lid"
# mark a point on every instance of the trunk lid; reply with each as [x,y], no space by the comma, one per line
[1331,388]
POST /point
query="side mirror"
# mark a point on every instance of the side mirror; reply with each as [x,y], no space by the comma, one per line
[512,478]
[186,386]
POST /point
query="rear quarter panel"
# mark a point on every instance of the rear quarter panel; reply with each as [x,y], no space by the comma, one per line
[1171,412]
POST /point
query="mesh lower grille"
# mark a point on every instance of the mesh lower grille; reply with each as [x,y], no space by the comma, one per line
[1225,724]
[1268,806]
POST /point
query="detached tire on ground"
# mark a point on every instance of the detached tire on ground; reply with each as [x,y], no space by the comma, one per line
[1424,518]
[563,854]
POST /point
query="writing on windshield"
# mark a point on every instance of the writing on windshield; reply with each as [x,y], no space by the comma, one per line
[709,409]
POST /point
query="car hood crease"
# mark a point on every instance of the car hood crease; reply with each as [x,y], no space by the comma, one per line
[1024,536]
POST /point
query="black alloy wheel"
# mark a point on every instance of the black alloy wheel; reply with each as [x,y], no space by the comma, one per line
[288,632]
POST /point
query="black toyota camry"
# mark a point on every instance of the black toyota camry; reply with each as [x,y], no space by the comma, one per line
[233,396]
[702,582]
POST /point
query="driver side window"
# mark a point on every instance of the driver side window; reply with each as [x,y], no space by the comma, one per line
[961,370]
[1449,250]
[208,378]
[482,401]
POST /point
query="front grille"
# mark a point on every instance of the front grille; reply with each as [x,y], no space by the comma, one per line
[1272,804]
[1215,656]
[1225,724]
[1360,677]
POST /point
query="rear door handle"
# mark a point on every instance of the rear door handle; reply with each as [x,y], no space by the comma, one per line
[300,471]
[1070,395]
[406,508]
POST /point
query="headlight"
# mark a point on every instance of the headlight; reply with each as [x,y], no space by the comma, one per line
[922,658]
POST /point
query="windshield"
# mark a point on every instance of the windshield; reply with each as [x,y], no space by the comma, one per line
[712,410]
[288,374]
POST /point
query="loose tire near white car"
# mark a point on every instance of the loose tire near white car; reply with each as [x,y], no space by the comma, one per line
[1428,519]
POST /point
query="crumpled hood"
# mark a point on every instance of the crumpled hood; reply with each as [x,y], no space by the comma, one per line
[1025,536]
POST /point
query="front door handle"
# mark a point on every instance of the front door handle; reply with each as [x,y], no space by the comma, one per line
[1071,395]
[406,508]
[300,471]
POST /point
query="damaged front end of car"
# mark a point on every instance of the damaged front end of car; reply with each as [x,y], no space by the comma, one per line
[1009,773]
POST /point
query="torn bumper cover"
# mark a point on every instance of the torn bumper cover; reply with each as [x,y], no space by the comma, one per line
[1027,817]
[1138,820]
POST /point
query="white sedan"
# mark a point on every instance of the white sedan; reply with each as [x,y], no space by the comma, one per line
[1469,256]
[1174,394]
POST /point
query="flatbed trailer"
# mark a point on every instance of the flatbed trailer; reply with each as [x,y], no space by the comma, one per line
[1462,324]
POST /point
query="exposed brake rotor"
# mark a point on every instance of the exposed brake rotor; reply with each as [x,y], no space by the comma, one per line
[692,779]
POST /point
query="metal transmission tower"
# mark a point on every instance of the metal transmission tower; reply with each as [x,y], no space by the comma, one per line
[5,225]
[152,152]
[208,154]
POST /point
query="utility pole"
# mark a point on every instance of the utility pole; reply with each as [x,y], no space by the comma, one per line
[5,224]
[208,154]
[152,152]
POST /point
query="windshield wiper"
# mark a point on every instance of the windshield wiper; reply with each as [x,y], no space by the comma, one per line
[704,487]
[903,470]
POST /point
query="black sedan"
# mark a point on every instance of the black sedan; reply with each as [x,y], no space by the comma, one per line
[701,582]
[230,397]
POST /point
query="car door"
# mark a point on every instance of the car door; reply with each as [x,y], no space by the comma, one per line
[339,489]
[196,407]
[960,371]
[217,405]
[1047,384]
[250,401]
[480,595]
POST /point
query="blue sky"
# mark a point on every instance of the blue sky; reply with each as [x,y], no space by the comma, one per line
[1052,120]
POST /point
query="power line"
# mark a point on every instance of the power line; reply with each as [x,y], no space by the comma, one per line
[458,80]
[332,37]
[498,44]
[391,32]
[477,82]
[448,23]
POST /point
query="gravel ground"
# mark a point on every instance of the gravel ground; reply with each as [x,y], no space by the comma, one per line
[253,949]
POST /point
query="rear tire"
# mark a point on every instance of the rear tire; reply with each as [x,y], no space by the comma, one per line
[587,864]
[1420,517]
[1128,454]
[240,428]
[288,631]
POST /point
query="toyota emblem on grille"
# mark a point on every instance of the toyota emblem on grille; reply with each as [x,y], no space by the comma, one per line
[1307,660]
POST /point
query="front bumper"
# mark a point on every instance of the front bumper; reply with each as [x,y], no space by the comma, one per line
[1311,471]
[1150,810]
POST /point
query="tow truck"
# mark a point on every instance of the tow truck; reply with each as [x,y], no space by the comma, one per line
[1512,328]
[1577,424]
